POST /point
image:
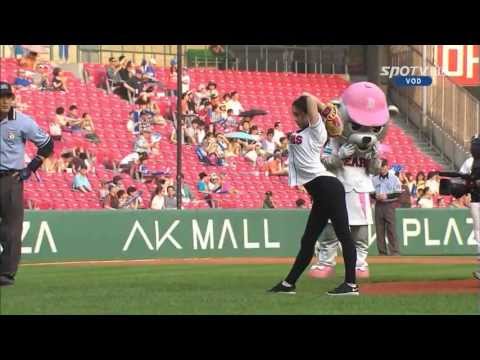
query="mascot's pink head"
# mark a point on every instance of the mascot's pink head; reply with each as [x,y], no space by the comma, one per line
[366,104]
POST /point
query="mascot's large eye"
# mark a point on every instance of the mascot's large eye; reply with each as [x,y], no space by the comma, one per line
[377,129]
[355,126]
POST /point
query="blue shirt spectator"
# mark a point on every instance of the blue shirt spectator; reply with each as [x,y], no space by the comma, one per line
[80,181]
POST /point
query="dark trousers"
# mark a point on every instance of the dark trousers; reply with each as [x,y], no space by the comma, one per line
[385,222]
[328,196]
[11,223]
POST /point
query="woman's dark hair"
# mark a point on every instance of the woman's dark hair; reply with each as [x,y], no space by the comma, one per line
[56,71]
[202,175]
[72,107]
[430,175]
[418,175]
[158,190]
[60,111]
[83,167]
[121,57]
[129,63]
[84,114]
[83,156]
[270,131]
[120,193]
[301,104]
[226,95]
[233,93]
[131,190]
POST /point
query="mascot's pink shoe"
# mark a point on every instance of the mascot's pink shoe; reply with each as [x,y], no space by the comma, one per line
[363,273]
[321,271]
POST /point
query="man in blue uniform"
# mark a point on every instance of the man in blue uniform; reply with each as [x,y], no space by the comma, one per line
[15,129]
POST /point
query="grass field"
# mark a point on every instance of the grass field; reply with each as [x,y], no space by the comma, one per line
[219,289]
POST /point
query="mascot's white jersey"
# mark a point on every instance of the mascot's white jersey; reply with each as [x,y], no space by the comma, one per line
[358,184]
[304,150]
[353,174]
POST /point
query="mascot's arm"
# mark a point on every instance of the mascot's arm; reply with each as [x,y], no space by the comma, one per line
[330,157]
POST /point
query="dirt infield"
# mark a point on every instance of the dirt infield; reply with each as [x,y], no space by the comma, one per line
[441,260]
[422,287]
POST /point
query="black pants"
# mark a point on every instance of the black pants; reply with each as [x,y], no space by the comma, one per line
[328,195]
[11,223]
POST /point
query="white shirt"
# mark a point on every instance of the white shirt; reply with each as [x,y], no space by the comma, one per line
[433,186]
[268,146]
[185,83]
[277,135]
[235,106]
[467,166]
[129,158]
[304,151]
[158,202]
[425,203]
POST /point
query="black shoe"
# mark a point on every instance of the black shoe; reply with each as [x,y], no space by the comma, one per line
[476,275]
[282,289]
[6,280]
[344,290]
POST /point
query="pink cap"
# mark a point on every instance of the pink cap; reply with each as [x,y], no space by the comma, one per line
[366,104]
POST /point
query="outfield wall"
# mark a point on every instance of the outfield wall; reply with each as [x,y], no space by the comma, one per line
[108,235]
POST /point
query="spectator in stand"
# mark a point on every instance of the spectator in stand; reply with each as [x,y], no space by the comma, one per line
[404,200]
[126,72]
[134,200]
[268,201]
[424,200]
[202,187]
[86,124]
[170,199]
[136,81]
[231,120]
[80,181]
[158,200]
[283,146]
[275,166]
[213,183]
[65,163]
[113,75]
[144,143]
[278,134]
[187,196]
[212,88]
[234,148]
[55,130]
[419,182]
[59,81]
[410,183]
[185,80]
[22,80]
[73,118]
[111,200]
[29,61]
[268,145]
[433,183]
[201,94]
[235,104]
[103,192]
[300,204]
[60,118]
[117,182]
[460,202]
[148,70]
[190,133]
[441,203]
[49,165]
[122,199]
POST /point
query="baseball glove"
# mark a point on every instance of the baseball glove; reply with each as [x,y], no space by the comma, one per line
[333,122]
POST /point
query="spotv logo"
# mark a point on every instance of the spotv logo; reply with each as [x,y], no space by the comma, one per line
[408,75]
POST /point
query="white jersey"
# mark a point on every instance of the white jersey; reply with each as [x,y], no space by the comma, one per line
[467,166]
[353,174]
[304,150]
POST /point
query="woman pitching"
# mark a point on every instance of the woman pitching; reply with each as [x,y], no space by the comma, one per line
[327,192]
